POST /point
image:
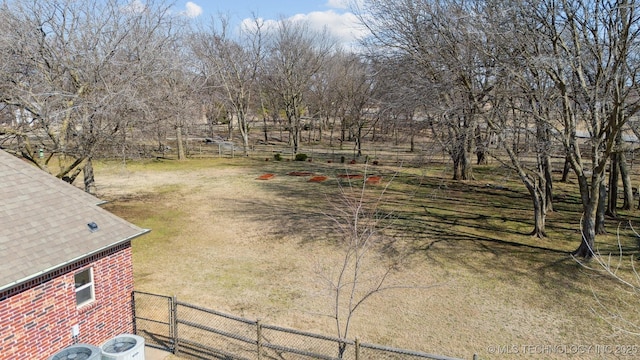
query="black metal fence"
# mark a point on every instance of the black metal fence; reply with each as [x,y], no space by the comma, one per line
[191,331]
[382,153]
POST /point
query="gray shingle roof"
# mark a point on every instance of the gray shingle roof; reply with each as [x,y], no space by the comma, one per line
[43,223]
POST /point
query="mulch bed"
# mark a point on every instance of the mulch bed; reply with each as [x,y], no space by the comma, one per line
[373,180]
[265,176]
[318,178]
[350,176]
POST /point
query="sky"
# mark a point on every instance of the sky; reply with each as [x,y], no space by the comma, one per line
[334,14]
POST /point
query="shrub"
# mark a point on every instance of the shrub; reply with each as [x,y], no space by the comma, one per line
[277,157]
[301,157]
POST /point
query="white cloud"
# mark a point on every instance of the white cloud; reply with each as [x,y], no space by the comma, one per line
[192,10]
[345,27]
[249,24]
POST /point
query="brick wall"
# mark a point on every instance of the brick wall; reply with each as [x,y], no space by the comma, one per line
[36,321]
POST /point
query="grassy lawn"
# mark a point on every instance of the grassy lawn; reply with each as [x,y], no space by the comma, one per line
[223,239]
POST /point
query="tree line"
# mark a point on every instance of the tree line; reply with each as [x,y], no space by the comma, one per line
[517,81]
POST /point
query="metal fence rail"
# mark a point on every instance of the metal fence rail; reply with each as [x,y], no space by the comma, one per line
[192,331]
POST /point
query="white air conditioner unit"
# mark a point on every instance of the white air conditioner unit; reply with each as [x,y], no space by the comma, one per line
[78,352]
[123,347]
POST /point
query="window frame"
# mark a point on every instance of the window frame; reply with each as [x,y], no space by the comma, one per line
[89,285]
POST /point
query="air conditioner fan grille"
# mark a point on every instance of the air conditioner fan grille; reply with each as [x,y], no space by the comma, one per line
[119,345]
[74,354]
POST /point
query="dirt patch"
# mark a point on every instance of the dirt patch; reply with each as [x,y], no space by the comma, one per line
[318,178]
[374,180]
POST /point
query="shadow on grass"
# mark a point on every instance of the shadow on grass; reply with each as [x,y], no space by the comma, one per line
[480,226]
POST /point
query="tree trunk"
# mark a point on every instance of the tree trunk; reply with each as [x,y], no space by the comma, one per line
[465,170]
[456,168]
[244,131]
[591,194]
[626,181]
[181,155]
[245,143]
[359,141]
[296,137]
[565,170]
[548,182]
[461,160]
[467,148]
[539,209]
[332,127]
[601,210]
[586,248]
[89,180]
[481,154]
[265,130]
[612,203]
[481,157]
[230,129]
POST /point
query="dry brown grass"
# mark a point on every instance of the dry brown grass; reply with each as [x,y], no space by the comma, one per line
[222,239]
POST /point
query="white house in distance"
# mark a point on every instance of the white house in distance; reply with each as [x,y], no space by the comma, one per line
[66,272]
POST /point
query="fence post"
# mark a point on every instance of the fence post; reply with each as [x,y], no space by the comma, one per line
[173,319]
[133,312]
[357,346]
[259,340]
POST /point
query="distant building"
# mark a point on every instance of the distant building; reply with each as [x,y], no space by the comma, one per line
[65,265]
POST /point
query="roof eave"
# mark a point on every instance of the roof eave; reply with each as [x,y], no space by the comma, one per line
[76,259]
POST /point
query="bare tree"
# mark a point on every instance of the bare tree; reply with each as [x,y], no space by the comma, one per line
[72,68]
[586,50]
[440,38]
[579,55]
[323,99]
[296,54]
[363,268]
[501,121]
[354,87]
[401,96]
[231,66]
[519,107]
[176,105]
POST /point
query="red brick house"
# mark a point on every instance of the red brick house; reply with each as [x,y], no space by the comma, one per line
[65,265]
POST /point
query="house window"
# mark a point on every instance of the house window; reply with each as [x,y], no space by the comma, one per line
[84,287]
